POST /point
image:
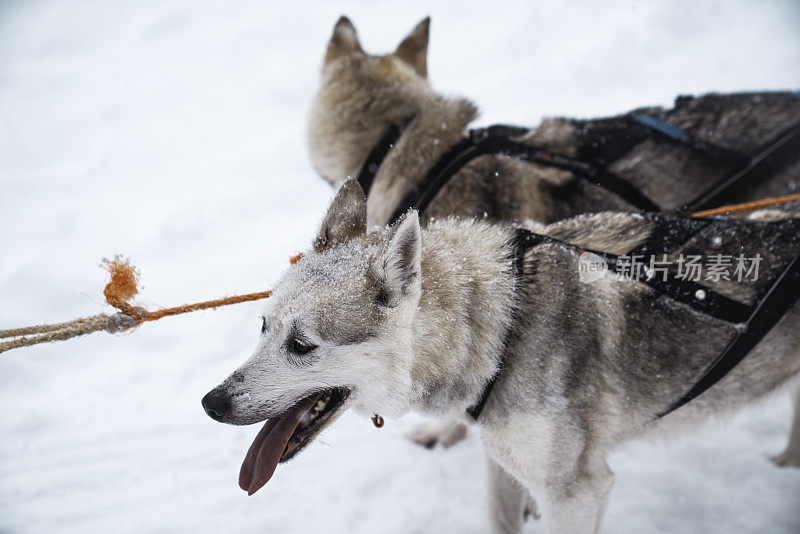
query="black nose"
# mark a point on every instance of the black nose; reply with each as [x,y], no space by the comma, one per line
[217,404]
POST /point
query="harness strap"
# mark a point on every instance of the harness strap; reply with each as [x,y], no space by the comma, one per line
[777,156]
[376,156]
[676,134]
[498,140]
[666,283]
[522,242]
[780,298]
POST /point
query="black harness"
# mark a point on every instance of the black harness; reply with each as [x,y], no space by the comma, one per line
[756,320]
[500,140]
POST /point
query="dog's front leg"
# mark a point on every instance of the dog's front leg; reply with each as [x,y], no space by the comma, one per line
[568,476]
[507,500]
[573,500]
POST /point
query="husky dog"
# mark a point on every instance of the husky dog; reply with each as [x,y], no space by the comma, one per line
[362,95]
[402,318]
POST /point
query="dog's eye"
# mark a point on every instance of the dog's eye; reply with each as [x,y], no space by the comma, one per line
[299,347]
[263,325]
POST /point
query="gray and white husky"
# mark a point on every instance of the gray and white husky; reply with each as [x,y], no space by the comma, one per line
[403,318]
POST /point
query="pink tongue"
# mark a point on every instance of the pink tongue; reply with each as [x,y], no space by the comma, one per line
[266,451]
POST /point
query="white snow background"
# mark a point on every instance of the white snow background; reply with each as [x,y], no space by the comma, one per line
[174,133]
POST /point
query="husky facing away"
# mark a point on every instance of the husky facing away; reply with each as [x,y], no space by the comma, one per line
[402,318]
[361,96]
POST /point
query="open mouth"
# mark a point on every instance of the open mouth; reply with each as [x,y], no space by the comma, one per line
[285,435]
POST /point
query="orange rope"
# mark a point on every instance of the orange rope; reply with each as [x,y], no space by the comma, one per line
[123,286]
[747,206]
[236,299]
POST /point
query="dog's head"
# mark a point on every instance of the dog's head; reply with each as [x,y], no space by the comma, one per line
[361,95]
[336,333]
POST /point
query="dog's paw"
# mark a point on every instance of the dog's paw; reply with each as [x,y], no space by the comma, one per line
[788,458]
[531,510]
[446,434]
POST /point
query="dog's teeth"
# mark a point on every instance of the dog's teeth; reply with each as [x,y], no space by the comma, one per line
[319,406]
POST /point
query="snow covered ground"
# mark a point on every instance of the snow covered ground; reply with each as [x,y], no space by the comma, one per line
[173,132]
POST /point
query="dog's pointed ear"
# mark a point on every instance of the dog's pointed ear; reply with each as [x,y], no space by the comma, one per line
[400,271]
[344,40]
[346,217]
[414,48]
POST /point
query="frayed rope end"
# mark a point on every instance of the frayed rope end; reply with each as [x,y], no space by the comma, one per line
[123,285]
